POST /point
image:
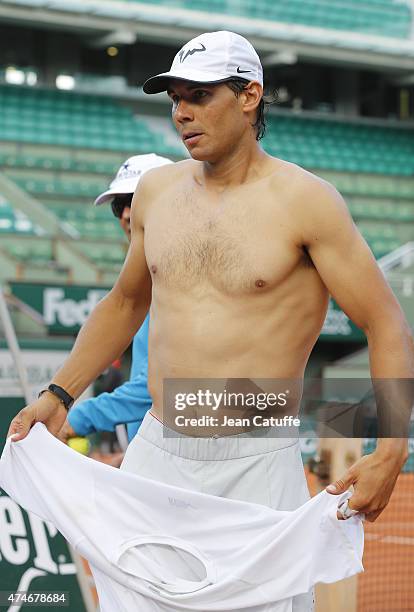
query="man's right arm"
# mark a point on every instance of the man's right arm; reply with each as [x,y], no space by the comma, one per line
[105,335]
[126,404]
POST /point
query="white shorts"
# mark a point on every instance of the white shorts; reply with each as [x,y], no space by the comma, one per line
[255,467]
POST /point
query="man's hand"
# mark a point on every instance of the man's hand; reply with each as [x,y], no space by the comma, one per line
[67,432]
[47,409]
[374,477]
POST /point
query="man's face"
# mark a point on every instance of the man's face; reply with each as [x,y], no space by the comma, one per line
[125,222]
[209,118]
[121,208]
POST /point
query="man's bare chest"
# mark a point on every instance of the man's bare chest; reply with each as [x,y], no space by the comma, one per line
[237,245]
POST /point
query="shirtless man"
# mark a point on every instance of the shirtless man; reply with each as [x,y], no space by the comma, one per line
[237,253]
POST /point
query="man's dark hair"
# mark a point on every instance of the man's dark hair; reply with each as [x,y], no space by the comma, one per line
[237,86]
[121,201]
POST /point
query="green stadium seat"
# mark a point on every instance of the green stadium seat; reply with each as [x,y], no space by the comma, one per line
[14,222]
[381,17]
[31,251]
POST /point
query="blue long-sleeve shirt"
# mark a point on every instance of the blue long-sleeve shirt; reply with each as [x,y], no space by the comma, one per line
[126,404]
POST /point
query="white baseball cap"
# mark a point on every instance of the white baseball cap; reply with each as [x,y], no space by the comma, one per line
[210,58]
[129,174]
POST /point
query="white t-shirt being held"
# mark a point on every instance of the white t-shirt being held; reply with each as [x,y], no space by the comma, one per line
[155,547]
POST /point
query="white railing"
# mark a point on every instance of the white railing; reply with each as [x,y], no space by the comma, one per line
[403,257]
[11,339]
[393,265]
[403,284]
[411,4]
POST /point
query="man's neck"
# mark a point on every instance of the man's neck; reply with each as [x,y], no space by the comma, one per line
[242,165]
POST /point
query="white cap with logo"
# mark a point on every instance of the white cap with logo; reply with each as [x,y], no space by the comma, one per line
[129,174]
[210,58]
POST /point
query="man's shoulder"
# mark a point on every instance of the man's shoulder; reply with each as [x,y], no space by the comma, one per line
[311,200]
[155,183]
[300,178]
[162,175]
[307,189]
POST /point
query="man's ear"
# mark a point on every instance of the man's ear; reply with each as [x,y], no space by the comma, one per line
[252,94]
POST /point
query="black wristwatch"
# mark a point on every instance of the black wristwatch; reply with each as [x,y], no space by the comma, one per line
[66,399]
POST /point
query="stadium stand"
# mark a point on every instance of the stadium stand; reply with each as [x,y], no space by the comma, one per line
[72,119]
[383,17]
[345,146]
[56,146]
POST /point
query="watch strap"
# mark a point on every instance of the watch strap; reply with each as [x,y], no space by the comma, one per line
[66,399]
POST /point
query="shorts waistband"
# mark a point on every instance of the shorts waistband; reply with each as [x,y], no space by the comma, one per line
[237,446]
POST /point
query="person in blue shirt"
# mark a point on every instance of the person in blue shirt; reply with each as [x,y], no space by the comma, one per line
[129,402]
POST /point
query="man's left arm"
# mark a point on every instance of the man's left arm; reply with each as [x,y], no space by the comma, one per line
[350,272]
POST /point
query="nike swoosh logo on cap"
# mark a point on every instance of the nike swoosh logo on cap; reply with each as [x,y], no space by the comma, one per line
[242,71]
